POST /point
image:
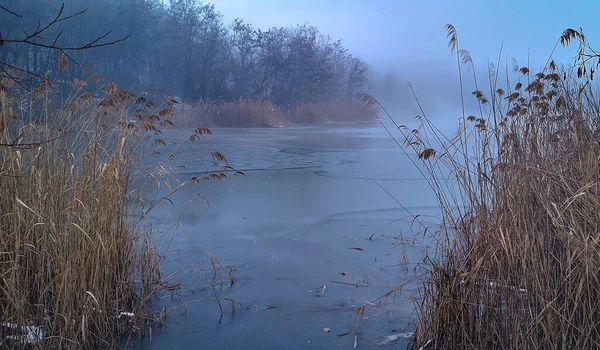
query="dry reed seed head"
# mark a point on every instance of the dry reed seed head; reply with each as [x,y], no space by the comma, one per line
[166,123]
[140,101]
[125,95]
[571,34]
[500,92]
[77,84]
[512,97]
[481,124]
[367,100]
[110,88]
[218,156]
[512,112]
[426,154]
[552,77]
[202,131]
[62,61]
[171,102]
[149,105]
[44,87]
[524,70]
[86,96]
[108,102]
[149,126]
[452,37]
[96,78]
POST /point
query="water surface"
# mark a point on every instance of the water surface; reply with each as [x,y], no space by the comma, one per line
[288,231]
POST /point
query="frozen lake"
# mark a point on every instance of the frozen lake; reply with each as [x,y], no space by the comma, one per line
[288,229]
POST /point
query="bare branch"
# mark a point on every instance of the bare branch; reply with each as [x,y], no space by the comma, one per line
[21,69]
[39,30]
[9,11]
[90,45]
[58,37]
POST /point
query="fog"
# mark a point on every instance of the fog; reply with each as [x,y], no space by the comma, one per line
[290,210]
[406,39]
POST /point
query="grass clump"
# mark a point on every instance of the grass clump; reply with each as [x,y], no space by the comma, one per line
[517,259]
[77,262]
[263,113]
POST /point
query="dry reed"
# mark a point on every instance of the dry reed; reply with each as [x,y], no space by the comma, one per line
[517,263]
[77,260]
[260,113]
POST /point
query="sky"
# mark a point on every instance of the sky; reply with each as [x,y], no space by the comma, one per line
[407,37]
[392,31]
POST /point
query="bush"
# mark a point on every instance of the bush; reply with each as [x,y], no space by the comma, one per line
[242,113]
[260,113]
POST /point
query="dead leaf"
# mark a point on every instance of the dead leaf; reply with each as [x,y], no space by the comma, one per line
[355,341]
[360,249]
[326,329]
[343,273]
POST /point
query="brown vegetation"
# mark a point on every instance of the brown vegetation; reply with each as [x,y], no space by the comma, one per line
[517,261]
[260,113]
[77,260]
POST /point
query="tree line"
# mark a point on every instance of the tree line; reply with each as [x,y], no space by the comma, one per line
[181,48]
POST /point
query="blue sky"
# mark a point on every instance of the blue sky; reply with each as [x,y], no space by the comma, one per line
[385,31]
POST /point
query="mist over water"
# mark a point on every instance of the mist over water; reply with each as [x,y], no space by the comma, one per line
[330,211]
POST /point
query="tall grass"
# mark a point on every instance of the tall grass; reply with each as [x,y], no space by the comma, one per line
[77,261]
[517,262]
[262,113]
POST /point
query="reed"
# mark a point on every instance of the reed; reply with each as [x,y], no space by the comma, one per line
[78,264]
[518,246]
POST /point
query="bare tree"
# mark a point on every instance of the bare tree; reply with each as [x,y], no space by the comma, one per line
[175,47]
[48,36]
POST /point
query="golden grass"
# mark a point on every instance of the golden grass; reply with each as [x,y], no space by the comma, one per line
[77,259]
[517,262]
[261,113]
[242,113]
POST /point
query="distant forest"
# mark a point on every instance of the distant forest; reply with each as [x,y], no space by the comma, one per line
[183,48]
